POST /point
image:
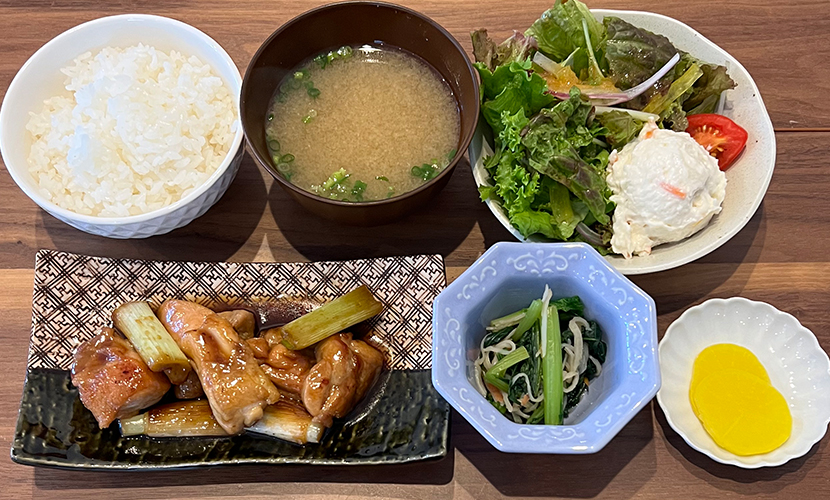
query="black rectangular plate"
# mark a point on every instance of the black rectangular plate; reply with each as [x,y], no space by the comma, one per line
[408,422]
[403,419]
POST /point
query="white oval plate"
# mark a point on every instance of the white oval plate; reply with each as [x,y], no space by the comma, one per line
[747,179]
[796,364]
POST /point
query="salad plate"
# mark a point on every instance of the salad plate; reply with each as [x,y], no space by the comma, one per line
[404,420]
[747,178]
[795,362]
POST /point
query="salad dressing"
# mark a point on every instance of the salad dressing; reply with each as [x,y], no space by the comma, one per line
[564,79]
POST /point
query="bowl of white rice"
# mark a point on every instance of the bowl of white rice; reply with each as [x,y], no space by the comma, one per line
[126,126]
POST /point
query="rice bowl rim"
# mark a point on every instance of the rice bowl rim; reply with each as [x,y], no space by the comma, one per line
[177,26]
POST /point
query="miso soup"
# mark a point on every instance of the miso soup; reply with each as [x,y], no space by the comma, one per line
[362,124]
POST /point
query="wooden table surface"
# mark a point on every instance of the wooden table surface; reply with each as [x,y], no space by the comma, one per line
[780,257]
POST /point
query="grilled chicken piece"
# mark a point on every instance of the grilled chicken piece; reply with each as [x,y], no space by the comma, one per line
[191,388]
[236,387]
[242,321]
[344,371]
[329,388]
[287,368]
[112,379]
[272,335]
[371,361]
[259,346]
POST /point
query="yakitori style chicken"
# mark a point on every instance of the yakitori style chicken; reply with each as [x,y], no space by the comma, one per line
[112,379]
[236,387]
[242,321]
[329,388]
[287,368]
[370,362]
[344,371]
[288,382]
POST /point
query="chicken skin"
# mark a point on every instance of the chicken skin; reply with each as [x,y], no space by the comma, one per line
[287,368]
[112,379]
[344,371]
[370,363]
[236,387]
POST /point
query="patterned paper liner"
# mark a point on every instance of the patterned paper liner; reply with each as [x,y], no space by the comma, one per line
[74,295]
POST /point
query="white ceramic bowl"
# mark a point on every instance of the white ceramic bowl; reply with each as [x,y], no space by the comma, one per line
[40,78]
[747,179]
[796,364]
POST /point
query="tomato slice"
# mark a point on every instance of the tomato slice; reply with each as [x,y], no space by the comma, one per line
[722,138]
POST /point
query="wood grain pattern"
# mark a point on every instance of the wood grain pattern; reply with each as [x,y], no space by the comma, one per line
[782,44]
[780,257]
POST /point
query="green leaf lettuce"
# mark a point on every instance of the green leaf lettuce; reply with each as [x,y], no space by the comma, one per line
[511,88]
[559,31]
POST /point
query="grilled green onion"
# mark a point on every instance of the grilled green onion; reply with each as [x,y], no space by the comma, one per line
[149,337]
[179,419]
[289,422]
[330,318]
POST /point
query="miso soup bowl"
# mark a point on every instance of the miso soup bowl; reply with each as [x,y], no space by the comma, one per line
[357,23]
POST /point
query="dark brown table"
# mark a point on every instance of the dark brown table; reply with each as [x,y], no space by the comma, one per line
[780,257]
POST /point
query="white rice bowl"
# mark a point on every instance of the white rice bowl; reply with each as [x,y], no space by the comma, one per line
[137,130]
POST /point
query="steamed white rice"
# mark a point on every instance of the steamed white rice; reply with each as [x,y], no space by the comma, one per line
[140,129]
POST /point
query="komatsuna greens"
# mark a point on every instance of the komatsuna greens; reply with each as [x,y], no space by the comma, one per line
[535,364]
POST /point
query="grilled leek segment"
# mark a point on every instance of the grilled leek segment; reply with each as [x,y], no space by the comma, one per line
[179,419]
[149,337]
[284,420]
[288,422]
[330,318]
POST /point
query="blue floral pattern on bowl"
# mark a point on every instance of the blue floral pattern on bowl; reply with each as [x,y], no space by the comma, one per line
[506,278]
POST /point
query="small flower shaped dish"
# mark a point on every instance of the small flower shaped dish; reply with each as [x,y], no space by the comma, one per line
[507,278]
[791,354]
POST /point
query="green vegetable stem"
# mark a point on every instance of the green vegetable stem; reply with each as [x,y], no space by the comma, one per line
[552,370]
[495,375]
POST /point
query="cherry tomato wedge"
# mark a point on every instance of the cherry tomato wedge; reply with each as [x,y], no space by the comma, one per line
[722,138]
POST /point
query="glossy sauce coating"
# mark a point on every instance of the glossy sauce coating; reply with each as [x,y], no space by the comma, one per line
[112,379]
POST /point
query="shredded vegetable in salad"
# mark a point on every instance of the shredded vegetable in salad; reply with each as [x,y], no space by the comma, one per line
[534,365]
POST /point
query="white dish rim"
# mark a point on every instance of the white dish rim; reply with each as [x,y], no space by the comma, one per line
[615,260]
[775,311]
[63,213]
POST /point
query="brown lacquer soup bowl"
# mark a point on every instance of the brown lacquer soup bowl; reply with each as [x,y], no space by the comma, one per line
[353,24]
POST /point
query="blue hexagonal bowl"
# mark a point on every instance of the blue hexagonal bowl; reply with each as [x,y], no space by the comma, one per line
[507,278]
